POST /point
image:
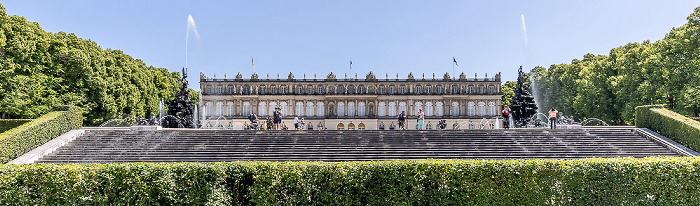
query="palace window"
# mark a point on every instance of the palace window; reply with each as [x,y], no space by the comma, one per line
[492,109]
[361,109]
[351,109]
[246,90]
[454,90]
[299,90]
[319,109]
[309,109]
[402,107]
[246,108]
[229,109]
[230,90]
[340,90]
[470,109]
[381,90]
[351,90]
[403,90]
[220,90]
[283,107]
[438,109]
[271,108]
[427,90]
[284,90]
[439,90]
[491,90]
[300,109]
[341,109]
[261,109]
[455,109]
[362,90]
[209,90]
[392,109]
[429,109]
[320,90]
[310,90]
[481,90]
[210,109]
[273,90]
[417,90]
[471,90]
[262,90]
[391,90]
[481,109]
[381,109]
[419,106]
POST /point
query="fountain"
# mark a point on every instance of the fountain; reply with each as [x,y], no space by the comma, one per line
[181,109]
[523,106]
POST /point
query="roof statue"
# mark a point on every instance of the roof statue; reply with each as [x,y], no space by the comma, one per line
[462,76]
[254,76]
[446,77]
[330,76]
[370,76]
[239,76]
[290,77]
[410,76]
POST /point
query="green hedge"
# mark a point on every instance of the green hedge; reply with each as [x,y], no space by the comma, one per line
[7,124]
[616,181]
[670,124]
[28,136]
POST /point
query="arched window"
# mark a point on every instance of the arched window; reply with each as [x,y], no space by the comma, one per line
[392,109]
[361,109]
[481,90]
[283,107]
[419,106]
[418,90]
[392,90]
[351,90]
[351,110]
[273,90]
[229,109]
[341,126]
[351,126]
[220,90]
[454,89]
[299,88]
[362,90]
[300,109]
[439,90]
[262,90]
[341,109]
[490,90]
[319,109]
[429,109]
[208,89]
[455,109]
[402,90]
[381,109]
[470,109]
[340,90]
[219,109]
[283,90]
[320,90]
[246,108]
[438,109]
[381,90]
[272,107]
[230,90]
[481,109]
[361,126]
[402,107]
[492,109]
[471,90]
[309,109]
[427,90]
[262,107]
[210,109]
[310,90]
[246,90]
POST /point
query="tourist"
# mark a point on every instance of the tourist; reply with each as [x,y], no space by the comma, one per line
[301,124]
[506,117]
[277,118]
[296,122]
[421,117]
[553,118]
[402,120]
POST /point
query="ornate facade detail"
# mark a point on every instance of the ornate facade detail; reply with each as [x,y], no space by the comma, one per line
[462,76]
[330,77]
[410,76]
[446,77]
[291,77]
[254,76]
[239,76]
[370,77]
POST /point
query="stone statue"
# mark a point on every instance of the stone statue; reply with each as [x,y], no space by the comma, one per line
[180,109]
[523,107]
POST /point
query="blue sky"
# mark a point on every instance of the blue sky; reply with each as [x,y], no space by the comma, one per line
[381,36]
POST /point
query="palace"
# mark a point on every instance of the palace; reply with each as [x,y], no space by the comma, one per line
[352,103]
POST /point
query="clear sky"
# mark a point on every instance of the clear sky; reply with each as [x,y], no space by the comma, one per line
[381,36]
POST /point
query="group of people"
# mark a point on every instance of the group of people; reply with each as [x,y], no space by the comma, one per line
[419,117]
[274,122]
[552,117]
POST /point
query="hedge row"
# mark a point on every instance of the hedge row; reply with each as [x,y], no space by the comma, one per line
[28,136]
[616,181]
[670,124]
[7,124]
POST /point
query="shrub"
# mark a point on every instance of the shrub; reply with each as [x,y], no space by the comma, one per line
[615,181]
[28,136]
[670,124]
[7,124]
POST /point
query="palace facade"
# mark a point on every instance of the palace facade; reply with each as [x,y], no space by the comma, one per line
[352,103]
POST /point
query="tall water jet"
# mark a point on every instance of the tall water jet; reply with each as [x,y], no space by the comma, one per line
[191,27]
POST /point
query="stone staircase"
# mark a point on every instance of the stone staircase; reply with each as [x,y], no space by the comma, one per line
[186,145]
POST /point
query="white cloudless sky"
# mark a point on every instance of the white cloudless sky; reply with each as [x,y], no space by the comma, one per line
[318,37]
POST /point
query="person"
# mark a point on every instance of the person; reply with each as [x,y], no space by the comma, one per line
[402,120]
[296,122]
[302,124]
[277,118]
[506,116]
[270,123]
[553,118]
[421,117]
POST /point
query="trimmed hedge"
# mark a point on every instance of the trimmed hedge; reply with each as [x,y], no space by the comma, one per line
[7,124]
[37,132]
[670,124]
[616,181]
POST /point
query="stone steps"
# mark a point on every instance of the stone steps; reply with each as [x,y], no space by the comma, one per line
[172,145]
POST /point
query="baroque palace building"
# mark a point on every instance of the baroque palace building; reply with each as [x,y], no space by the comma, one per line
[352,103]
